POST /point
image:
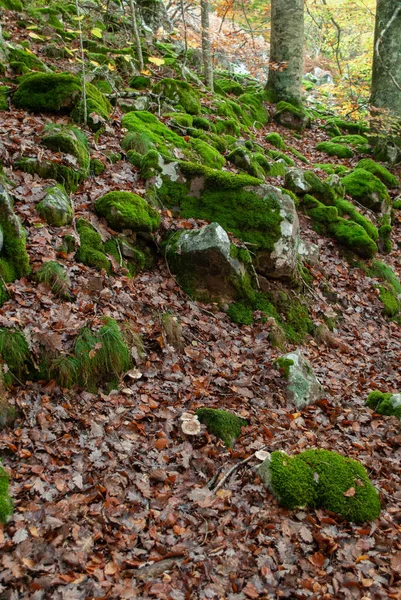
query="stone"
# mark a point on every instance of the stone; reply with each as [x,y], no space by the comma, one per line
[201,259]
[334,182]
[56,207]
[303,386]
[309,252]
[282,261]
[296,182]
[137,103]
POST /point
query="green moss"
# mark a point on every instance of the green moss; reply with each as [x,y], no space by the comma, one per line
[331,169]
[181,121]
[227,86]
[67,176]
[202,123]
[15,352]
[55,276]
[140,141]
[346,208]
[97,105]
[207,154]
[379,171]
[385,238]
[284,364]
[15,257]
[12,5]
[65,370]
[69,140]
[397,205]
[357,127]
[28,59]
[96,166]
[276,140]
[103,86]
[298,155]
[149,164]
[390,302]
[156,133]
[228,126]
[240,313]
[333,149]
[221,423]
[102,355]
[119,247]
[48,92]
[253,110]
[384,272]
[179,92]
[359,142]
[91,251]
[4,91]
[322,479]
[6,504]
[124,210]
[140,82]
[293,117]
[277,155]
[367,189]
[385,403]
[240,253]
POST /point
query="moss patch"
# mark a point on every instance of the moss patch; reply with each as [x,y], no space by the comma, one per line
[68,140]
[179,92]
[322,479]
[359,142]
[124,210]
[67,176]
[379,171]
[48,92]
[385,403]
[367,189]
[6,505]
[221,423]
[276,140]
[15,353]
[91,251]
[333,149]
[14,257]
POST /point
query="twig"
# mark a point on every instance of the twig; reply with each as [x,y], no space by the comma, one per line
[233,469]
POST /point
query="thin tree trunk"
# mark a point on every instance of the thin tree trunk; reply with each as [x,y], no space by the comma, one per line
[81,46]
[136,36]
[386,70]
[206,50]
[286,50]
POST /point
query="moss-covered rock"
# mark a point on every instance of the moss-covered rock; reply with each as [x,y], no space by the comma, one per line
[291,116]
[12,5]
[91,251]
[179,92]
[14,259]
[48,92]
[322,479]
[20,58]
[68,140]
[227,86]
[276,140]
[303,387]
[96,166]
[334,149]
[245,160]
[355,127]
[140,82]
[67,176]
[6,504]
[367,189]
[368,164]
[124,210]
[253,110]
[4,91]
[331,169]
[14,351]
[359,142]
[56,207]
[385,403]
[209,156]
[221,423]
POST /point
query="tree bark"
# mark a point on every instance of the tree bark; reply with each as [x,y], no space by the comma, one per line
[206,50]
[153,13]
[137,37]
[286,50]
[386,70]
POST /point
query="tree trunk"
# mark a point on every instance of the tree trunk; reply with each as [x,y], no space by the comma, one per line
[286,50]
[206,51]
[154,14]
[386,70]
[136,36]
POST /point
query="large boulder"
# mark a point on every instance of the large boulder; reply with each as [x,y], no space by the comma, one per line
[179,92]
[125,210]
[205,264]
[291,116]
[368,190]
[56,207]
[303,386]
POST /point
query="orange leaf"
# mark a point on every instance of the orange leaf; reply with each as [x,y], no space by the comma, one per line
[350,493]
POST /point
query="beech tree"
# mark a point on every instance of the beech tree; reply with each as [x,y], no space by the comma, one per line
[206,50]
[286,50]
[386,70]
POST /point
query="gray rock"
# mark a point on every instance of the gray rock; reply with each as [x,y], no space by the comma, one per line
[137,103]
[303,386]
[335,183]
[282,261]
[56,208]
[201,259]
[296,182]
[309,252]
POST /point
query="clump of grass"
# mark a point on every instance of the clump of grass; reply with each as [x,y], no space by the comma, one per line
[65,370]
[15,352]
[55,276]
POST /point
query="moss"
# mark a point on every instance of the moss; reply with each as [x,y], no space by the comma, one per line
[221,423]
[179,92]
[208,155]
[202,123]
[293,117]
[139,141]
[240,253]
[6,504]
[240,313]
[102,355]
[379,171]
[136,259]
[333,149]
[28,59]
[103,86]
[124,210]
[298,155]
[277,155]
[359,142]
[384,272]
[149,164]
[97,105]
[96,166]
[276,140]
[322,479]
[69,140]
[366,188]
[227,86]
[331,169]
[397,205]
[65,370]
[182,121]
[385,403]
[48,92]
[228,126]
[140,82]
[346,208]
[67,176]
[390,302]
[15,257]
[284,364]
[163,139]
[12,5]
[385,238]
[254,112]
[15,352]
[114,157]
[4,91]
[356,127]
[55,276]
[91,250]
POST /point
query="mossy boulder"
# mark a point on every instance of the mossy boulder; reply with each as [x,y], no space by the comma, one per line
[227,86]
[292,117]
[367,189]
[125,210]
[368,164]
[338,124]
[6,504]
[4,92]
[91,250]
[68,140]
[385,403]
[322,479]
[276,140]
[56,207]
[222,423]
[22,61]
[14,259]
[203,263]
[254,164]
[359,142]
[335,149]
[179,92]
[303,387]
[69,177]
